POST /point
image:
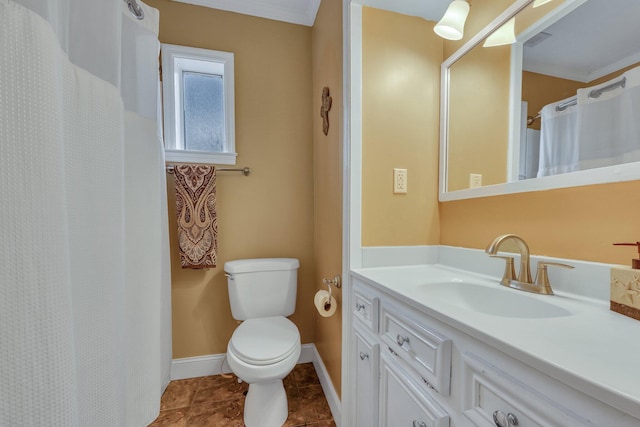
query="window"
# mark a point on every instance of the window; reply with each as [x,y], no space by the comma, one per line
[199,122]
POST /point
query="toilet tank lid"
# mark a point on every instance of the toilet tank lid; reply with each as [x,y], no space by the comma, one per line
[261,264]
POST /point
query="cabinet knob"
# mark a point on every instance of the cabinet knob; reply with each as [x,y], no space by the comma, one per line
[363,355]
[401,340]
[504,420]
[417,423]
[359,306]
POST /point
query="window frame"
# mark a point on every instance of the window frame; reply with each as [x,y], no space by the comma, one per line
[175,60]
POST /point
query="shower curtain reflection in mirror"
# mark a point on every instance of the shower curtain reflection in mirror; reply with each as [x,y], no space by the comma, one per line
[599,128]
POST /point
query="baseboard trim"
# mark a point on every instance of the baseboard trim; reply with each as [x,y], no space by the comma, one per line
[215,364]
[200,366]
[327,387]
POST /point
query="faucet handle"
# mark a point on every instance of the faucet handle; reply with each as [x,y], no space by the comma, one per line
[542,276]
[509,270]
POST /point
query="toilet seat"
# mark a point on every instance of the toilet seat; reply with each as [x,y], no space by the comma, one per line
[265,341]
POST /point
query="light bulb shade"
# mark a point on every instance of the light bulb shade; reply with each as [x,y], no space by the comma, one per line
[503,35]
[537,3]
[451,26]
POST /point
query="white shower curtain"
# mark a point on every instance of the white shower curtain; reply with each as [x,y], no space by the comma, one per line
[558,140]
[84,280]
[609,128]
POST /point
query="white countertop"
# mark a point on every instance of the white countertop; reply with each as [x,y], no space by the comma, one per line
[594,350]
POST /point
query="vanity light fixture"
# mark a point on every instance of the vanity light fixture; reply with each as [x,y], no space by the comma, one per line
[537,3]
[451,26]
[504,35]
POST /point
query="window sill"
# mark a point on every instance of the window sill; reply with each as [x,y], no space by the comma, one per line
[181,156]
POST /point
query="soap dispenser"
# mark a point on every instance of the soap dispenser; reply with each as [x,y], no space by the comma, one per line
[635,262]
[625,286]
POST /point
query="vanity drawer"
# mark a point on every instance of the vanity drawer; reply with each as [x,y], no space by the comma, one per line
[403,402]
[489,389]
[424,349]
[365,307]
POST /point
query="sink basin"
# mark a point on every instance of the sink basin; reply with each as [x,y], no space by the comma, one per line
[498,301]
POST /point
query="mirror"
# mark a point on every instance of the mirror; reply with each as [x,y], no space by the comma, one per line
[491,97]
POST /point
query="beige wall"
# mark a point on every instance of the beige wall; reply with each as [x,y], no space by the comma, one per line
[478,126]
[269,213]
[326,38]
[401,58]
[577,223]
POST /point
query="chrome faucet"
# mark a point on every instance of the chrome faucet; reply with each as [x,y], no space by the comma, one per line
[523,281]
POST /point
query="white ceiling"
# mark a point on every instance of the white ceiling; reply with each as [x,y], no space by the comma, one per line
[301,12]
[597,38]
[431,10]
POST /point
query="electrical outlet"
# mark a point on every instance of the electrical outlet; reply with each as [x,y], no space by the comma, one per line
[475,180]
[399,181]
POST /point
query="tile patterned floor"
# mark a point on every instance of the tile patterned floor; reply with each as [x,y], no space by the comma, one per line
[219,402]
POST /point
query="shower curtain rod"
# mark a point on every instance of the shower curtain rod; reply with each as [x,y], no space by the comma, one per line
[594,94]
[564,105]
[597,92]
[246,171]
[532,119]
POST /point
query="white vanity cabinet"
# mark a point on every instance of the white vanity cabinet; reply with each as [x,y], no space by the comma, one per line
[397,361]
[403,403]
[416,370]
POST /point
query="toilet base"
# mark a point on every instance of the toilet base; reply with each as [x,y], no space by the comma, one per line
[266,405]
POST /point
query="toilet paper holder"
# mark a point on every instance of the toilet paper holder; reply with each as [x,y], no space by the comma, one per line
[332,282]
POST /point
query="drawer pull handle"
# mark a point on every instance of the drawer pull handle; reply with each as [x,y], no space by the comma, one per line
[359,306]
[504,420]
[363,355]
[401,340]
[391,351]
[417,423]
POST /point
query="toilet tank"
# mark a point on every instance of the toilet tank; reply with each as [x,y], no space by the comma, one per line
[262,287]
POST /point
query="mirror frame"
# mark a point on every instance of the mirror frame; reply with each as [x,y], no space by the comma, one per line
[609,174]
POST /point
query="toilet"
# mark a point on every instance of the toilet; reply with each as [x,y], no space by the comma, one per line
[265,347]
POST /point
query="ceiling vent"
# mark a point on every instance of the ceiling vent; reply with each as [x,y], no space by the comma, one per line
[537,39]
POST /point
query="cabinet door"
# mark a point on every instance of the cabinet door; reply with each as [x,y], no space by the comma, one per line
[403,403]
[367,363]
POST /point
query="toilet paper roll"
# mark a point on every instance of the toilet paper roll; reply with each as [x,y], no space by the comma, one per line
[325,307]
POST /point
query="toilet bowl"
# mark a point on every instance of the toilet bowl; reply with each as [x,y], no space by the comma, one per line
[261,352]
[266,346]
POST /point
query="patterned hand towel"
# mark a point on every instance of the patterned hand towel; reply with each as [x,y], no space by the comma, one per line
[197,219]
